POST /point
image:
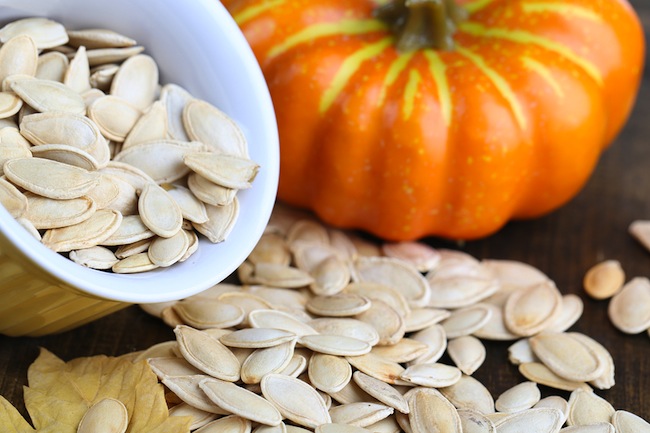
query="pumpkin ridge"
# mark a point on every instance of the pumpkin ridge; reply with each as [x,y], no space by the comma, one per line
[500,83]
[348,68]
[322,30]
[251,12]
[523,37]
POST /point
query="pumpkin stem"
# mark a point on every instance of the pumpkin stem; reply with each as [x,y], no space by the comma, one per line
[419,24]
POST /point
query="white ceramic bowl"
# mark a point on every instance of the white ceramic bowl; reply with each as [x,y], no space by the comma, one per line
[198,46]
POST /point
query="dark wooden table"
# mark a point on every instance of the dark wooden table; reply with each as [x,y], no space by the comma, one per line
[564,244]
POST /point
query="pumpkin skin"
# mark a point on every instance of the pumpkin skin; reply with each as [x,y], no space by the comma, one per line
[508,125]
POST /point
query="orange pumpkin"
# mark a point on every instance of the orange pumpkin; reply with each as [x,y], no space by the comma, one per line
[506,119]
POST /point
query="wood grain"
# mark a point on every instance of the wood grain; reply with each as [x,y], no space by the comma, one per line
[564,245]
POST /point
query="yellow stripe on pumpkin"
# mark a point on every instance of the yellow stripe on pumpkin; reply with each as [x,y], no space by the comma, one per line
[410,92]
[499,82]
[321,30]
[349,67]
[477,5]
[545,73]
[251,12]
[562,9]
[523,37]
[439,71]
[394,70]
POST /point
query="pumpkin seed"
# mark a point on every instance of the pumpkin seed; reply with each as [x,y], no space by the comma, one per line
[267,360]
[77,76]
[420,318]
[335,344]
[475,422]
[256,338]
[394,273]
[240,401]
[174,97]
[296,400]
[98,38]
[382,391]
[604,280]
[136,81]
[199,417]
[266,318]
[381,292]
[626,422]
[629,310]
[188,390]
[159,212]
[46,95]
[100,56]
[601,427]
[204,314]
[556,402]
[50,179]
[208,192]
[465,321]
[222,169]
[518,398]
[567,357]
[45,32]
[457,291]
[52,66]
[65,154]
[360,414]
[530,310]
[207,354]
[329,373]
[405,350]
[433,375]
[431,411]
[88,233]
[436,339]
[221,221]
[386,320]
[469,393]
[585,407]
[606,380]
[340,428]
[171,366]
[345,327]
[495,328]
[379,368]
[207,124]
[151,126]
[540,373]
[114,116]
[10,104]
[418,254]
[14,201]
[467,352]
[18,55]
[520,352]
[340,305]
[542,420]
[570,312]
[106,416]
[165,252]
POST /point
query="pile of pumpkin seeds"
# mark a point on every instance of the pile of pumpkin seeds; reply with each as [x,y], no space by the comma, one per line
[104,164]
[329,332]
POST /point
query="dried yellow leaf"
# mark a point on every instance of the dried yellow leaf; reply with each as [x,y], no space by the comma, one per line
[60,393]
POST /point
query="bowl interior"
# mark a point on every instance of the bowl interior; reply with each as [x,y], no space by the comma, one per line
[198,46]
